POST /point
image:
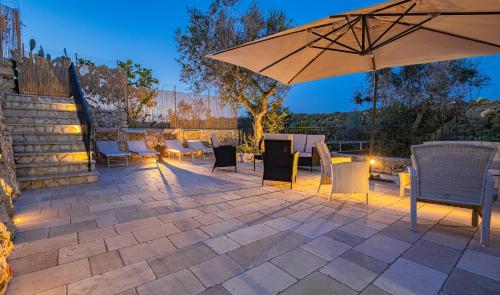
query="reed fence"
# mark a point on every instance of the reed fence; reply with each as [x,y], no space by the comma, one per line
[10,29]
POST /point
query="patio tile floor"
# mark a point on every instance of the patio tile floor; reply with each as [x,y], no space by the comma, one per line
[179,229]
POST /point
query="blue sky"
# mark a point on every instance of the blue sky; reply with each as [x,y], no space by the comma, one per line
[143,31]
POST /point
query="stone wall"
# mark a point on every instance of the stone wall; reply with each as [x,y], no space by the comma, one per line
[109,119]
[154,136]
[9,188]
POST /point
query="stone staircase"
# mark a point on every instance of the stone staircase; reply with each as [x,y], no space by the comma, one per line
[47,141]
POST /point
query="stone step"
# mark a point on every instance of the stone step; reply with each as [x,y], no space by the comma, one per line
[34,169]
[30,147]
[40,106]
[43,128]
[44,137]
[56,156]
[42,121]
[53,180]
[28,113]
[28,98]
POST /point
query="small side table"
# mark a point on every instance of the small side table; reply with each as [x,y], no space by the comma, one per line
[162,150]
[257,157]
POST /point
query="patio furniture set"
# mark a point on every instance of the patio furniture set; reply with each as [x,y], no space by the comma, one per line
[452,173]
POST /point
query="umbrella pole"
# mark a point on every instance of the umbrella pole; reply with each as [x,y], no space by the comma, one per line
[374,112]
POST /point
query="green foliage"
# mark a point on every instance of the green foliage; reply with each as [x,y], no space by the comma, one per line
[41,52]
[142,89]
[224,25]
[138,75]
[276,118]
[83,61]
[32,45]
[248,145]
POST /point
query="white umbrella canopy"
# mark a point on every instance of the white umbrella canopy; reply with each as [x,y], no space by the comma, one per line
[394,33]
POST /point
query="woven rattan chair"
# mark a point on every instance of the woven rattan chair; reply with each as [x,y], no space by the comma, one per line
[280,162]
[225,155]
[453,174]
[345,177]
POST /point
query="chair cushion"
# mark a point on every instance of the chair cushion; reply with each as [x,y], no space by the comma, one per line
[215,140]
[276,136]
[311,140]
[299,142]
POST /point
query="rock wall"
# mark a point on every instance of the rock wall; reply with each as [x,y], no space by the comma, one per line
[109,119]
[9,188]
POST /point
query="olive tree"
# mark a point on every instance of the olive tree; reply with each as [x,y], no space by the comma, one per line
[223,26]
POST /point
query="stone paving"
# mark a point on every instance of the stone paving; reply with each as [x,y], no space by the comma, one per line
[179,229]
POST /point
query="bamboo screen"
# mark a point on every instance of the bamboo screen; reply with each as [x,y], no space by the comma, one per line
[41,76]
[191,111]
[10,31]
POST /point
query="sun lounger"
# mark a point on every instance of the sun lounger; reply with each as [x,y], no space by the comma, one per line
[174,146]
[139,147]
[111,150]
[199,146]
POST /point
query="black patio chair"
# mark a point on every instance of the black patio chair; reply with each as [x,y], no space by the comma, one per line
[225,155]
[280,163]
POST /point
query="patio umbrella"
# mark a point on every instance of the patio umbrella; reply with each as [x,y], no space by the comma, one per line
[394,33]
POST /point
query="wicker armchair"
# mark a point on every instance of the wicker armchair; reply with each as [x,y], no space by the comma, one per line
[454,174]
[225,155]
[280,163]
[345,177]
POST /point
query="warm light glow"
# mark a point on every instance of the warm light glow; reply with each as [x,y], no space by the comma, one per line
[17,220]
[338,160]
[372,161]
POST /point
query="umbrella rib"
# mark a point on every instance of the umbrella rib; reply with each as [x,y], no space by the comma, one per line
[306,66]
[302,48]
[413,28]
[462,37]
[335,49]
[334,41]
[368,39]
[354,33]
[453,35]
[394,23]
[391,5]
[445,13]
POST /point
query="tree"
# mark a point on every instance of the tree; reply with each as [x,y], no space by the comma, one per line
[415,101]
[142,89]
[223,26]
[425,86]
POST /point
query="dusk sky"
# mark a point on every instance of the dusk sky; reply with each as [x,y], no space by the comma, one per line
[144,32]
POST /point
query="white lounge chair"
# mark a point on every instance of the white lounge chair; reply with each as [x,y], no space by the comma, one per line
[454,174]
[139,147]
[111,150]
[346,177]
[174,146]
[199,146]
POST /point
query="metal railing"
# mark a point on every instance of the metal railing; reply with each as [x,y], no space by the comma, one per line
[346,141]
[83,111]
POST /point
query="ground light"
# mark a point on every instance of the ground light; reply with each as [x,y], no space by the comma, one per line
[376,177]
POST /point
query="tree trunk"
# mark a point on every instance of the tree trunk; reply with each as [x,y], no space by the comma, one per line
[257,128]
